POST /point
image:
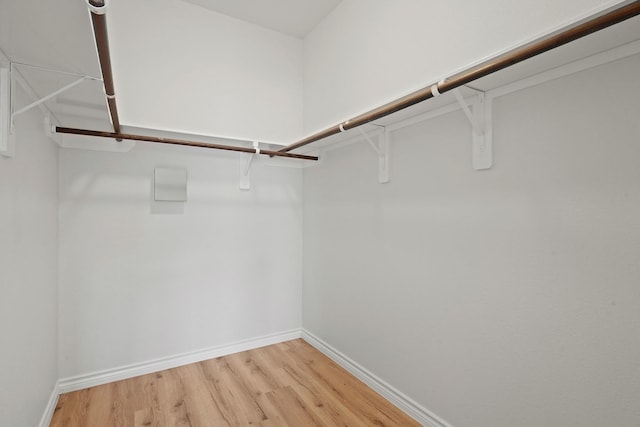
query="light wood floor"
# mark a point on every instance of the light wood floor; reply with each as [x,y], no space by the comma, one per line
[287,384]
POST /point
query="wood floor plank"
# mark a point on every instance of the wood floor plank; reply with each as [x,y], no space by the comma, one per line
[235,401]
[72,410]
[325,403]
[292,409]
[193,400]
[149,412]
[100,403]
[286,384]
[256,376]
[376,409]
[345,391]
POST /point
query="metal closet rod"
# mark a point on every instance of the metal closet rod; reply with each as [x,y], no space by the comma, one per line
[535,48]
[99,20]
[98,10]
[173,141]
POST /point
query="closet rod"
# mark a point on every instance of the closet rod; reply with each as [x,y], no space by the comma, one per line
[619,14]
[99,20]
[98,9]
[158,140]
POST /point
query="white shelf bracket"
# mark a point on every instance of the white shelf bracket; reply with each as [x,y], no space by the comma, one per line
[46,98]
[6,138]
[373,145]
[383,157]
[9,76]
[381,148]
[480,116]
[483,144]
[50,130]
[245,165]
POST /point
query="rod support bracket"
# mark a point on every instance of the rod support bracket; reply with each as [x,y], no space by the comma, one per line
[480,117]
[50,131]
[47,97]
[381,148]
[245,164]
[7,141]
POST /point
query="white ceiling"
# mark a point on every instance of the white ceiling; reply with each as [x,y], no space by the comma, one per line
[293,17]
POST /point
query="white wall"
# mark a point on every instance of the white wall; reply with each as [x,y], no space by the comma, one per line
[501,298]
[182,67]
[367,53]
[137,284]
[28,273]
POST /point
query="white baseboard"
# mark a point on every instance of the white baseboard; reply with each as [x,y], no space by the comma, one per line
[51,406]
[79,382]
[402,401]
[412,408]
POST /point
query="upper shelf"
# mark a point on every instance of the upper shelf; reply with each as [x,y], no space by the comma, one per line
[616,36]
[85,102]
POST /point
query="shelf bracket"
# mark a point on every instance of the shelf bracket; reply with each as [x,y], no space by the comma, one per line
[8,77]
[6,138]
[50,130]
[46,98]
[381,148]
[480,116]
[245,165]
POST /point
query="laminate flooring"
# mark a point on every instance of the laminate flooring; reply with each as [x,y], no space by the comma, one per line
[286,384]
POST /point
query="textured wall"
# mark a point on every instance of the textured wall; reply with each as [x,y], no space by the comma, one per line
[28,273]
[500,298]
[140,280]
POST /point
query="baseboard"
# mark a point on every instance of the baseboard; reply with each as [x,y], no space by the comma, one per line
[412,408]
[402,401]
[121,373]
[51,406]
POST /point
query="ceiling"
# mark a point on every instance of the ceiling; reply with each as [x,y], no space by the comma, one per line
[293,17]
